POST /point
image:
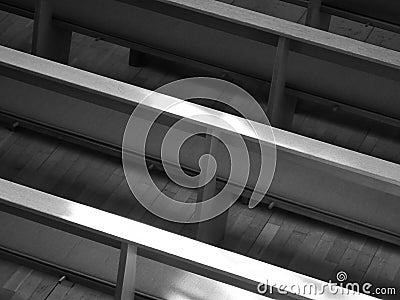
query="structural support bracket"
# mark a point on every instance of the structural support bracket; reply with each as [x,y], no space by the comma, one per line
[211,231]
[49,40]
[280,107]
[126,272]
[315,18]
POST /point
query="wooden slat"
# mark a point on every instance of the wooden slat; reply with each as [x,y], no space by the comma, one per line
[44,289]
[17,279]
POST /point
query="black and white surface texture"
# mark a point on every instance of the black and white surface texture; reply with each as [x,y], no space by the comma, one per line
[273,171]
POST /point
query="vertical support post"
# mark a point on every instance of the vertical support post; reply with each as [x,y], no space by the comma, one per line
[137,58]
[280,108]
[211,231]
[126,272]
[315,18]
[49,40]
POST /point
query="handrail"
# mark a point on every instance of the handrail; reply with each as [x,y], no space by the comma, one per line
[183,253]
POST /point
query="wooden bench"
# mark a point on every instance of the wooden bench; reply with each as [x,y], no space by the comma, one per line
[316,179]
[139,240]
[299,61]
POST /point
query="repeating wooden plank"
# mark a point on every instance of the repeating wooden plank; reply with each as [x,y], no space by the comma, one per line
[28,287]
[376,266]
[66,182]
[181,195]
[96,195]
[237,230]
[292,245]
[151,195]
[364,258]
[25,151]
[266,236]
[4,134]
[277,245]
[85,178]
[318,266]
[7,141]
[60,290]
[28,174]
[10,159]
[259,219]
[121,201]
[391,267]
[80,292]
[30,284]
[45,287]
[17,279]
[7,269]
[44,178]
[369,142]
[387,145]
[303,255]
[340,246]
[357,139]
